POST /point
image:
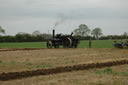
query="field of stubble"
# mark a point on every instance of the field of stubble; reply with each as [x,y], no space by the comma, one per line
[21,60]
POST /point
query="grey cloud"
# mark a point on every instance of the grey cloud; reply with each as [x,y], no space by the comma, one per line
[74,13]
[49,8]
[17,13]
[99,13]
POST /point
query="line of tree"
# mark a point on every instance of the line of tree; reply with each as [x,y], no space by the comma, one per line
[25,37]
[82,31]
[108,37]
[36,36]
[85,33]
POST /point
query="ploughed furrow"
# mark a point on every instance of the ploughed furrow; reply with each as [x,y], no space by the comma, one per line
[16,49]
[25,74]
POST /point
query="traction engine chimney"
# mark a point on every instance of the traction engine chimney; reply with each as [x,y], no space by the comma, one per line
[53,32]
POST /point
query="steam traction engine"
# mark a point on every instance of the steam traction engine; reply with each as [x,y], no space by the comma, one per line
[67,41]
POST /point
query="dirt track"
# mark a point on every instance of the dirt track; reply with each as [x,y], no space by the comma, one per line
[24,74]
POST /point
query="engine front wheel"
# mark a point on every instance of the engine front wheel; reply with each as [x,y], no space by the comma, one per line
[49,44]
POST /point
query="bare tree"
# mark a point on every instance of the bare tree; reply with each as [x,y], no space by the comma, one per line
[35,33]
[83,30]
[97,32]
[125,34]
[2,30]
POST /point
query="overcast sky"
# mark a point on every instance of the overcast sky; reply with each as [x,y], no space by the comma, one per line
[30,15]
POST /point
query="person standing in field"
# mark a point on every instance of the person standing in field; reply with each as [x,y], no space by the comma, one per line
[90,43]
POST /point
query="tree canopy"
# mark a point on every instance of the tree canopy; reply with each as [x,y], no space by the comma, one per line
[83,30]
[2,30]
[36,33]
[97,32]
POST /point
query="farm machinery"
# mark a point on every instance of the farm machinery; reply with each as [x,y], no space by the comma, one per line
[67,41]
[120,45]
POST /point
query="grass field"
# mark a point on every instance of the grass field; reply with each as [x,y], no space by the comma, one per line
[83,44]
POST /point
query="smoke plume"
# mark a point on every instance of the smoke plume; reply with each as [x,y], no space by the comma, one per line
[61,19]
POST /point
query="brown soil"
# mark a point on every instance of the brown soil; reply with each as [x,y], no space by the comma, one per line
[84,77]
[22,60]
[24,74]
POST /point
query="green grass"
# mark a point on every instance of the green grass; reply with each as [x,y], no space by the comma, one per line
[97,44]
[83,44]
[109,71]
[24,45]
[27,65]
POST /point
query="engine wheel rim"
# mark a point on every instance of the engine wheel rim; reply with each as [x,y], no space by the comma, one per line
[67,43]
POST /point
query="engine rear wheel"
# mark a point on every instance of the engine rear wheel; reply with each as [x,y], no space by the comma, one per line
[67,43]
